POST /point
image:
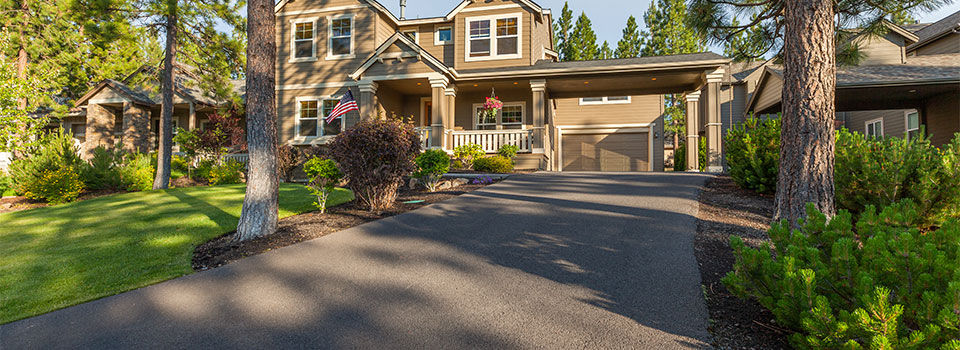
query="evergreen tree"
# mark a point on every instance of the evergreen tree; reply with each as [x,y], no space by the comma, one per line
[188,26]
[605,52]
[562,29]
[585,40]
[803,33]
[746,45]
[18,128]
[630,44]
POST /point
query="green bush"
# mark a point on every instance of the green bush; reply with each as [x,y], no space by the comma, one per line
[202,171]
[229,172]
[753,154]
[881,284]
[102,172]
[324,176]
[494,164]
[376,155]
[432,164]
[680,156]
[508,151]
[179,167]
[883,171]
[54,158]
[467,154]
[137,172]
[6,184]
[57,186]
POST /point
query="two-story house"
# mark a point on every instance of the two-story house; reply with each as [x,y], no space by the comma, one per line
[592,115]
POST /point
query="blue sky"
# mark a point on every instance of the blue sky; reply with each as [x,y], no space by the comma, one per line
[608,16]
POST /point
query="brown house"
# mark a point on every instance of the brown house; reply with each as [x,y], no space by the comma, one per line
[908,83]
[592,115]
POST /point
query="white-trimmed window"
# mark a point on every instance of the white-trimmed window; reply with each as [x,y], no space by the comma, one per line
[493,37]
[509,117]
[79,131]
[606,100]
[311,112]
[303,44]
[443,36]
[873,128]
[912,123]
[413,34]
[340,43]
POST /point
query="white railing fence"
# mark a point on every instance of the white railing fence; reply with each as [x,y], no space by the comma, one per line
[424,136]
[5,159]
[491,140]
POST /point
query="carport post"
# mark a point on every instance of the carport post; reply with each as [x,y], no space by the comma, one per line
[693,131]
[714,142]
[539,88]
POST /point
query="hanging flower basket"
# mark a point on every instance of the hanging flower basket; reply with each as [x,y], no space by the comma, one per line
[491,107]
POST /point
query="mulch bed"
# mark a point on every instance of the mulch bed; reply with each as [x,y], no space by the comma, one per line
[727,210]
[299,228]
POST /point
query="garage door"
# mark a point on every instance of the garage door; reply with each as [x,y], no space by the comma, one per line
[605,152]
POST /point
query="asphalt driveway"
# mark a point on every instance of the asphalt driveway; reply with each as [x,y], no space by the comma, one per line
[552,261]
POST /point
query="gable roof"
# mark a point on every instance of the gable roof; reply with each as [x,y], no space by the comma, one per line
[936,30]
[404,22]
[120,88]
[397,36]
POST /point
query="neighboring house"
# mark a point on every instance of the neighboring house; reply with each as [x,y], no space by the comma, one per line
[602,115]
[126,113]
[909,81]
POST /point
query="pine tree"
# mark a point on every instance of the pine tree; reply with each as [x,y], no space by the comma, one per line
[630,44]
[605,52]
[803,33]
[18,128]
[561,29]
[189,26]
[746,45]
[585,40]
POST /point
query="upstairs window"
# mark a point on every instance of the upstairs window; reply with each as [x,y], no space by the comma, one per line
[341,37]
[304,45]
[913,124]
[444,36]
[493,37]
[874,128]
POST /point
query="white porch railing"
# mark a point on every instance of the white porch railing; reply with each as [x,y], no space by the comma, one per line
[424,136]
[5,159]
[491,140]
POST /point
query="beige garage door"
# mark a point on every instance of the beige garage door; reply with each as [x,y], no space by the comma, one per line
[605,152]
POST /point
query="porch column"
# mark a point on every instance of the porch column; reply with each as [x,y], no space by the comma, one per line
[192,122]
[714,125]
[136,127]
[438,86]
[693,130]
[450,121]
[539,101]
[368,103]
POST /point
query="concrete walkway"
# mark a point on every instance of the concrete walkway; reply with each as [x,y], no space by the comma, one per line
[556,261]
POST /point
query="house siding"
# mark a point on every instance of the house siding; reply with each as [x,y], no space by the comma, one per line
[943,118]
[894,122]
[460,29]
[950,43]
[887,49]
[465,100]
[642,109]
[769,94]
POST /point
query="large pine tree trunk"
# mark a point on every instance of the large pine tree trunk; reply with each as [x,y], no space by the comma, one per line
[162,179]
[807,141]
[260,204]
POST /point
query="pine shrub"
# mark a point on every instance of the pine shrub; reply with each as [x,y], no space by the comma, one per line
[324,176]
[57,186]
[376,155]
[753,154]
[432,164]
[137,172]
[102,172]
[54,158]
[879,284]
[494,164]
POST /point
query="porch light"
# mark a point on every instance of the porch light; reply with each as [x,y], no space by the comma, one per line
[653,78]
[419,84]
[586,83]
[912,91]
[475,85]
[516,83]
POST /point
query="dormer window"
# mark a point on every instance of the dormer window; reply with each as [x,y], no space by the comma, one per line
[493,37]
[341,37]
[304,44]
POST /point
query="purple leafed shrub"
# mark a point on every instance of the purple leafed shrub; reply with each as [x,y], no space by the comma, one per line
[375,156]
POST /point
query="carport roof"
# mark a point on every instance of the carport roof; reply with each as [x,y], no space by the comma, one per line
[548,67]
[926,69]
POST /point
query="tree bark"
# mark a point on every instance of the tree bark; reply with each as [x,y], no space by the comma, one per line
[260,204]
[162,179]
[808,136]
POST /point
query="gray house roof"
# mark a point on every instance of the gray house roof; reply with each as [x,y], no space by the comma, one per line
[638,61]
[921,69]
[937,29]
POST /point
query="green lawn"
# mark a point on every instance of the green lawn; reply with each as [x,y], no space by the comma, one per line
[64,255]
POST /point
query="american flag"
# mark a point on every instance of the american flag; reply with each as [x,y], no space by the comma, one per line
[347,104]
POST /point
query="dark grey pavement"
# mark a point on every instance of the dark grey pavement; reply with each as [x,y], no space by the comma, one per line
[556,261]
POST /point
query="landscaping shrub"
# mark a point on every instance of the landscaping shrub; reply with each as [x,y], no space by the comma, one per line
[291,157]
[227,173]
[376,155]
[137,172]
[202,172]
[180,167]
[433,164]
[883,171]
[57,186]
[102,172]
[881,284]
[324,176]
[467,154]
[53,159]
[508,151]
[753,154]
[6,184]
[494,164]
[680,156]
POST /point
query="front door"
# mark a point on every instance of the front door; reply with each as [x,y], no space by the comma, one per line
[426,118]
